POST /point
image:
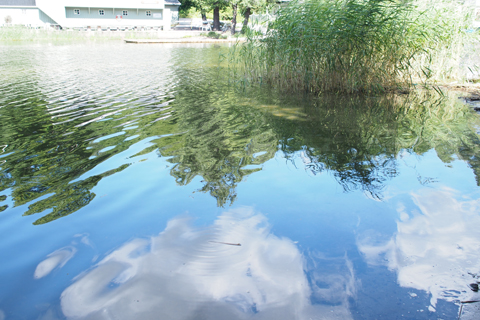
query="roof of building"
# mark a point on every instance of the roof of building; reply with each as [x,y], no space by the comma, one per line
[170,2]
[32,3]
[23,3]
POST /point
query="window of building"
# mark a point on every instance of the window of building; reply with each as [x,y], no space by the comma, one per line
[148,13]
[24,11]
[101,12]
[76,11]
[125,13]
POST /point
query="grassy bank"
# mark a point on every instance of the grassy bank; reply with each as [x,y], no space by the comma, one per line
[20,33]
[361,46]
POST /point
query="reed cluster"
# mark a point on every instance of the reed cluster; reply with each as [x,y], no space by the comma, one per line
[453,55]
[353,46]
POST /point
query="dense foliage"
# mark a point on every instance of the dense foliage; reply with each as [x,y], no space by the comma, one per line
[351,45]
[223,9]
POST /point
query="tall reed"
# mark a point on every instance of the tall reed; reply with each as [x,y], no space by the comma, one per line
[453,56]
[345,46]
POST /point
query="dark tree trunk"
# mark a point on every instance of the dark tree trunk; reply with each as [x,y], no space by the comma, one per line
[246,16]
[204,14]
[234,20]
[216,19]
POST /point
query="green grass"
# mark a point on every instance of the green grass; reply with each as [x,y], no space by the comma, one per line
[20,33]
[357,46]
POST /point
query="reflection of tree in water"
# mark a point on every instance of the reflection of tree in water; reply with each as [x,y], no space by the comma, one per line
[359,138]
[338,135]
[221,138]
[213,132]
[73,197]
[47,157]
[361,152]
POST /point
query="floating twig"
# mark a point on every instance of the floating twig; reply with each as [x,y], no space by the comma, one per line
[228,243]
[469,301]
[461,306]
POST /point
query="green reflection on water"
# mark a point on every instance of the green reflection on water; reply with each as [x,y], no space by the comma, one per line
[359,138]
[222,134]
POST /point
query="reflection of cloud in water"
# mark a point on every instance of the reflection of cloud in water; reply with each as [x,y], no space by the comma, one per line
[436,249]
[55,259]
[328,287]
[188,273]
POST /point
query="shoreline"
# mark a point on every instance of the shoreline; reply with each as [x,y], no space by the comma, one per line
[183,40]
[15,34]
[470,88]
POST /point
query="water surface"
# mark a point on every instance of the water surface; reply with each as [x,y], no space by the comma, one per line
[139,181]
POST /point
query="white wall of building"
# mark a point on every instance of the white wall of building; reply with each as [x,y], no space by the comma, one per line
[141,4]
[56,10]
[23,16]
[167,18]
[116,23]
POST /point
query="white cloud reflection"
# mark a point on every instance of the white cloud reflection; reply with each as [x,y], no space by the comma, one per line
[436,247]
[190,273]
[55,259]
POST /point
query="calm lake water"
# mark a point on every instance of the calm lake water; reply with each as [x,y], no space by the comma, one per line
[138,182]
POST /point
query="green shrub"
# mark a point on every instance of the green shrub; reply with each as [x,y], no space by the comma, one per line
[215,35]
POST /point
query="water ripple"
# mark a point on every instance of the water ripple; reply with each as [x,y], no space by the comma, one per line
[62,116]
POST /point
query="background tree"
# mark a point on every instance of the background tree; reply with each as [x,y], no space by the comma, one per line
[234,4]
[248,6]
[200,5]
[185,6]
[217,5]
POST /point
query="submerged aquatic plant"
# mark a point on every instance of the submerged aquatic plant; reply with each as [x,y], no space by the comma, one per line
[345,46]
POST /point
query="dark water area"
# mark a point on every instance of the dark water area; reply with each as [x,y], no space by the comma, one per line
[140,182]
